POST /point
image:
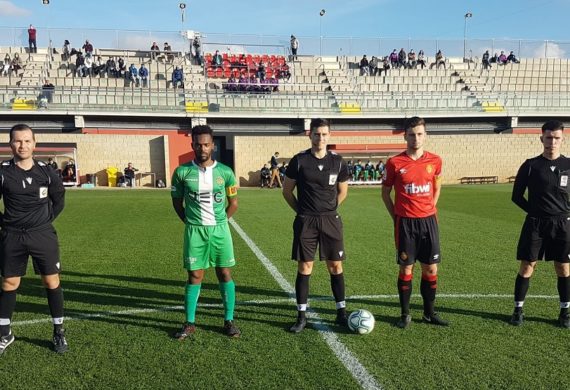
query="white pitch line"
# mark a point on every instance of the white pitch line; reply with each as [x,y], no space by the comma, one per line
[351,362]
[254,302]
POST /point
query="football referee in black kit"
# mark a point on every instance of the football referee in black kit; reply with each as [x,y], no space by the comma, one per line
[546,229]
[321,179]
[33,197]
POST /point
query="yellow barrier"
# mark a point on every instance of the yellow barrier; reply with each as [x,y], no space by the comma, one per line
[23,104]
[492,107]
[196,106]
[350,108]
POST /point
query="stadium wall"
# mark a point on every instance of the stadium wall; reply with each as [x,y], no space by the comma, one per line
[463,154]
[97,152]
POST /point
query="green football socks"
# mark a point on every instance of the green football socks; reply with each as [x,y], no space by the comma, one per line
[228,291]
[191,301]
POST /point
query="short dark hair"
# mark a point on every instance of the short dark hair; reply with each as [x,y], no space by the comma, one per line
[21,127]
[202,129]
[413,122]
[552,125]
[319,122]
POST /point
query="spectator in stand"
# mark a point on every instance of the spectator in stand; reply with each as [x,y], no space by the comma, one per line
[264,86]
[32,33]
[380,169]
[282,170]
[373,65]
[80,65]
[394,59]
[357,170]
[243,83]
[87,47]
[217,60]
[274,84]
[241,62]
[294,47]
[154,51]
[121,68]
[494,59]
[231,84]
[169,57]
[48,90]
[130,174]
[143,75]
[439,60]
[51,163]
[111,67]
[502,59]
[7,65]
[275,171]
[16,63]
[364,66]
[485,60]
[98,67]
[178,77]
[133,75]
[197,45]
[253,86]
[66,51]
[69,172]
[385,65]
[412,62]
[402,56]
[265,176]
[88,62]
[350,169]
[512,58]
[261,71]
[422,59]
[284,72]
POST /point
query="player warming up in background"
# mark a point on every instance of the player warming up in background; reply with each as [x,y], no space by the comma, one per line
[200,189]
[33,198]
[546,229]
[321,179]
[415,177]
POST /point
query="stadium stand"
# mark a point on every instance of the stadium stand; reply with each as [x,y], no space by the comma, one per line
[462,99]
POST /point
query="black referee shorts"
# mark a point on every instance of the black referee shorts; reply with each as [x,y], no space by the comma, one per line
[545,238]
[16,246]
[417,239]
[324,231]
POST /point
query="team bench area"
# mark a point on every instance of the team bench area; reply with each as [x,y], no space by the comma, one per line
[479,179]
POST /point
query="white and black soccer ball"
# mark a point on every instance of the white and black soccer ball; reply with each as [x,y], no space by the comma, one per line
[361,321]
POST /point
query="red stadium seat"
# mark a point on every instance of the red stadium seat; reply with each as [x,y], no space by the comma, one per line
[208,57]
[226,64]
[210,73]
[268,72]
[219,72]
[256,58]
[227,73]
[265,58]
[233,59]
[225,57]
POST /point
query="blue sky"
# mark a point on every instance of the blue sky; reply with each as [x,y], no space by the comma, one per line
[525,19]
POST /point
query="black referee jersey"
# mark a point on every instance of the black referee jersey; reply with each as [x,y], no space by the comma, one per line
[316,181]
[547,182]
[31,198]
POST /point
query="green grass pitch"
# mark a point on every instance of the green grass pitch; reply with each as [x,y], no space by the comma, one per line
[124,283]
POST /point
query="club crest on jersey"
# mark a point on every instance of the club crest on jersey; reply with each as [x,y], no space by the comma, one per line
[29,180]
[429,168]
[320,166]
[402,171]
[552,168]
[219,180]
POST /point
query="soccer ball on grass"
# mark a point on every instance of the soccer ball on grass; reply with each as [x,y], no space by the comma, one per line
[361,321]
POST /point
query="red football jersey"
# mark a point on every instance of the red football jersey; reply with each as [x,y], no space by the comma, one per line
[413,182]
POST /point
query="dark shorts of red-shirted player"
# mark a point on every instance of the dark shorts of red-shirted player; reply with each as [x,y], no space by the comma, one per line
[545,238]
[417,239]
[324,231]
[18,245]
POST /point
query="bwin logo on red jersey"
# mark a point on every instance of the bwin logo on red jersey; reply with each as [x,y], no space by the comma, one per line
[417,189]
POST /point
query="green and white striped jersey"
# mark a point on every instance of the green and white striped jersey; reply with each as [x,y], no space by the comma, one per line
[204,191]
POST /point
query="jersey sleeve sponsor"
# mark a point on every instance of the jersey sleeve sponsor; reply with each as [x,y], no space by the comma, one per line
[177,189]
